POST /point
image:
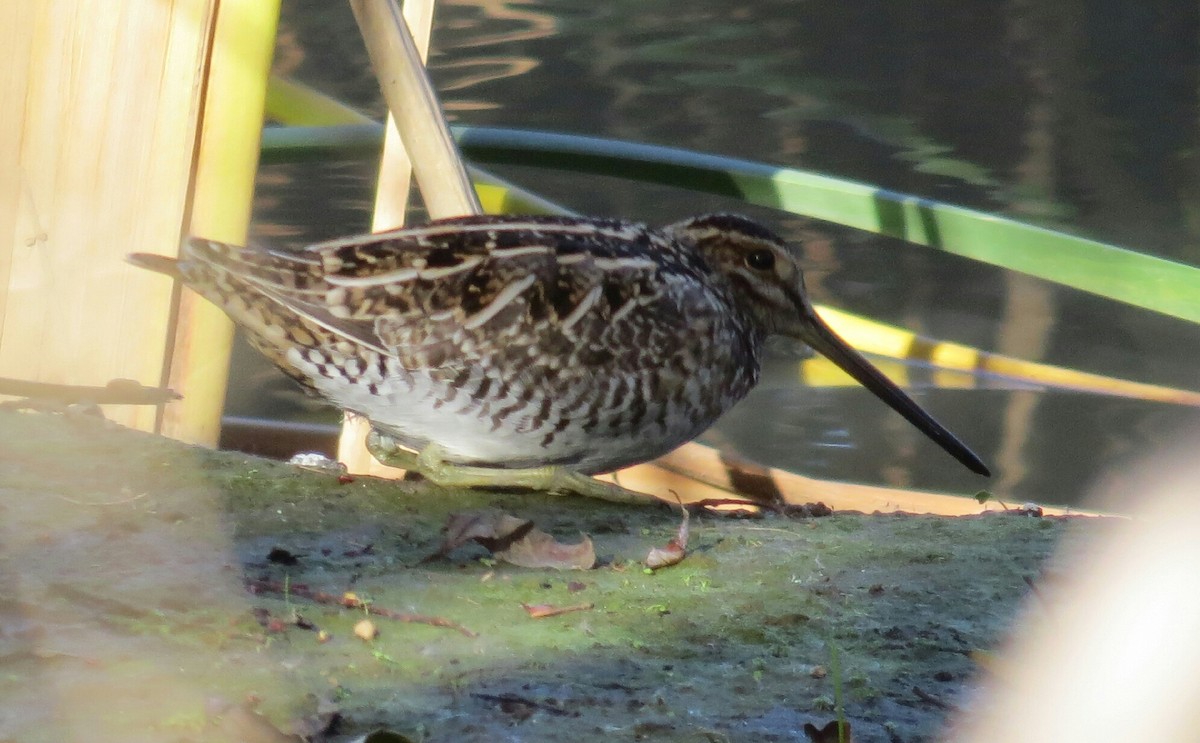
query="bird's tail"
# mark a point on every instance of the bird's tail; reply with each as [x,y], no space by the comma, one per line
[209,266]
[199,256]
[258,288]
[157,263]
[218,271]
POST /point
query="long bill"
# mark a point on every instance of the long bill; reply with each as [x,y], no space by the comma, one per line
[826,342]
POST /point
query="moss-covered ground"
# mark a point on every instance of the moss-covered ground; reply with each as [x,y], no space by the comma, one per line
[125,562]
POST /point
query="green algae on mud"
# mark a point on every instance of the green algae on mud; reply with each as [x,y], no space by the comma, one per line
[126,557]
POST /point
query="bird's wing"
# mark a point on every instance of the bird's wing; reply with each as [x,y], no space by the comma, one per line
[560,291]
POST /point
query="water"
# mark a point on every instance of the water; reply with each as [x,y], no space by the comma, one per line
[1079,116]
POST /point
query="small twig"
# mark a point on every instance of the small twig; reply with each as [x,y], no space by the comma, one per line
[714,502]
[121,502]
[1037,592]
[931,699]
[804,510]
[352,602]
[773,530]
[116,392]
[541,611]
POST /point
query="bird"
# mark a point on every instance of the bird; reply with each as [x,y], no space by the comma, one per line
[530,351]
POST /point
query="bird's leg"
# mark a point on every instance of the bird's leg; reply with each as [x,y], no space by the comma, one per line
[388,451]
[551,479]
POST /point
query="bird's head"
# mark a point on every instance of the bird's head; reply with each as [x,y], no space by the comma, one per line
[768,285]
[764,276]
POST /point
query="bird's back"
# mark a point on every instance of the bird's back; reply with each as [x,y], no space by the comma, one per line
[512,342]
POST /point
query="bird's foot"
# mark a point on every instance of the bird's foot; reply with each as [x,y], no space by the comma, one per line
[388,451]
[431,463]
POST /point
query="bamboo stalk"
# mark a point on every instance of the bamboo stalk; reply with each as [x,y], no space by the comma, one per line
[415,127]
[222,193]
[320,126]
[698,472]
[399,65]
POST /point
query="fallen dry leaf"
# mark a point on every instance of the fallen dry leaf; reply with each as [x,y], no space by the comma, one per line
[492,529]
[674,552]
[515,541]
[537,549]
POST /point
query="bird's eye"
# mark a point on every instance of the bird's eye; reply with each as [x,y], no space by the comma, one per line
[760,260]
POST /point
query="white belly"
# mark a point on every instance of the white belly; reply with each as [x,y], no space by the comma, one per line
[527,426]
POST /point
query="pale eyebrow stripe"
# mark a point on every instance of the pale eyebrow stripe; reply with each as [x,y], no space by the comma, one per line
[616,264]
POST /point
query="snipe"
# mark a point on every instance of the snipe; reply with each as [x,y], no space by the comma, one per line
[530,350]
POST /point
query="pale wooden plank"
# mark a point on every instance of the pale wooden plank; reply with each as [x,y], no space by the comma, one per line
[105,94]
[18,223]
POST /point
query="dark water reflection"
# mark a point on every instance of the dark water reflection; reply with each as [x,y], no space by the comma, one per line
[1082,116]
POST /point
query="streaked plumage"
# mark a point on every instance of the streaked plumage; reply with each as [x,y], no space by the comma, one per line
[520,342]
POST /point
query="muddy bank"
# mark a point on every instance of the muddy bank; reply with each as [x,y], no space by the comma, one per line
[125,561]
